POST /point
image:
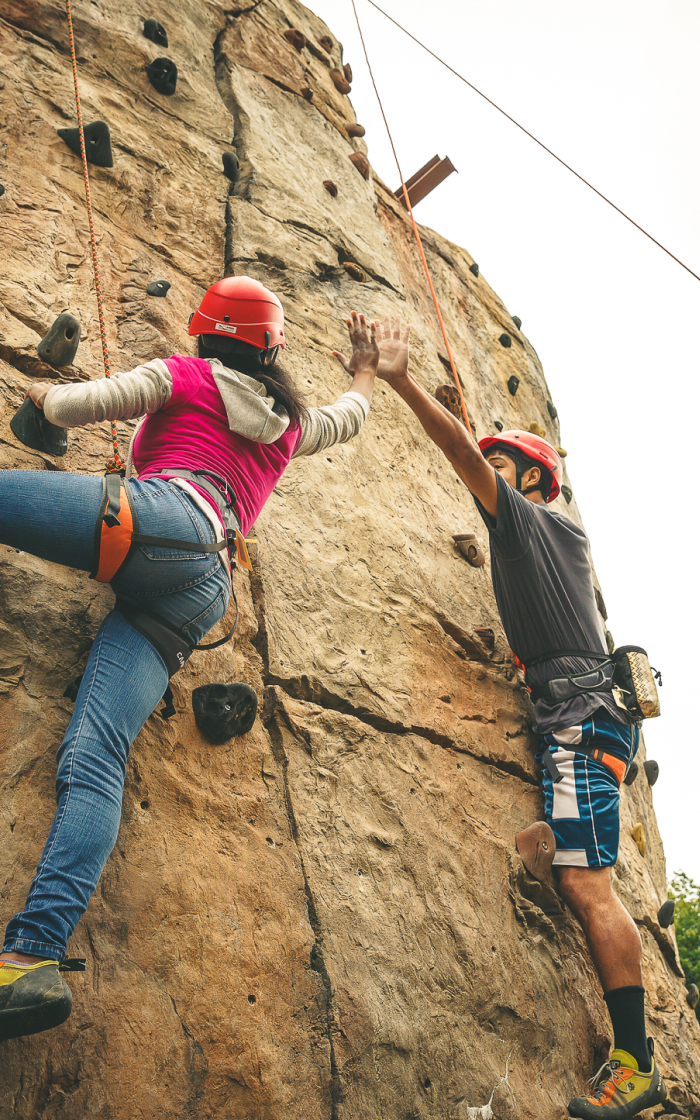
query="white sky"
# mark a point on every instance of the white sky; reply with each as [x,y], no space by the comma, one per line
[613,87]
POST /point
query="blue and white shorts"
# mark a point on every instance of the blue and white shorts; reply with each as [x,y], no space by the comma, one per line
[583,809]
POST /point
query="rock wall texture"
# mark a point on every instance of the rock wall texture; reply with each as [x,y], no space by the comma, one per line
[325,918]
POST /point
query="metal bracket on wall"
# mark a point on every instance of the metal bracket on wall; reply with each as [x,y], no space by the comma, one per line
[426,180]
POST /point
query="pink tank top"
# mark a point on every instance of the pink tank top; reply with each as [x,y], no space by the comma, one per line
[192,431]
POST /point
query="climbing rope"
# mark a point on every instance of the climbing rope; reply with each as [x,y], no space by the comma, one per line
[523,129]
[114,465]
[415,228]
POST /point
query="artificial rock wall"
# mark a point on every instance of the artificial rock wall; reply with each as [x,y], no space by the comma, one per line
[325,918]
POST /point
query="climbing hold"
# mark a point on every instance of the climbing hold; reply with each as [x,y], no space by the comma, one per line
[474,268]
[552,410]
[155,32]
[162,74]
[631,773]
[331,187]
[609,642]
[664,914]
[158,288]
[470,548]
[355,271]
[693,996]
[448,396]
[513,383]
[561,452]
[98,147]
[640,839]
[537,430]
[505,340]
[307,93]
[537,847]
[296,38]
[361,163]
[231,166]
[33,430]
[327,43]
[2,190]
[518,321]
[340,81]
[58,347]
[224,710]
[487,636]
[347,70]
[498,425]
[355,129]
[651,769]
[568,494]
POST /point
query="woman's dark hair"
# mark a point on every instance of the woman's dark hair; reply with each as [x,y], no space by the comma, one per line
[245,358]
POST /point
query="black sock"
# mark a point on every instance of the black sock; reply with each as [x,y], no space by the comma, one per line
[626,1007]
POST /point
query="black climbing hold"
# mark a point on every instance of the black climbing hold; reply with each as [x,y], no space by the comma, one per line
[513,383]
[224,710]
[631,773]
[162,74]
[693,996]
[2,190]
[664,914]
[98,146]
[552,410]
[498,425]
[158,288]
[518,321]
[568,494]
[505,340]
[33,430]
[58,347]
[155,32]
[231,166]
[71,692]
[651,769]
[474,268]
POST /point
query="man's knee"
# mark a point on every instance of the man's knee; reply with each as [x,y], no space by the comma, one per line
[585,888]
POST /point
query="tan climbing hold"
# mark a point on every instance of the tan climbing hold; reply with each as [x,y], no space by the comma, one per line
[326,42]
[340,81]
[296,38]
[487,636]
[537,847]
[355,129]
[355,271]
[449,398]
[347,70]
[537,430]
[640,839]
[470,548]
[331,187]
[307,93]
[361,163]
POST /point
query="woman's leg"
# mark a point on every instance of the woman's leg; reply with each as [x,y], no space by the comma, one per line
[124,680]
[50,514]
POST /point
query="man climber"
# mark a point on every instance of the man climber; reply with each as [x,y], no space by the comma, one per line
[543,585]
[218,433]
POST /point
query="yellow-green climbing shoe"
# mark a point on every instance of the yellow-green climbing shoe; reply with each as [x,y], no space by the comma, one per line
[34,997]
[620,1090]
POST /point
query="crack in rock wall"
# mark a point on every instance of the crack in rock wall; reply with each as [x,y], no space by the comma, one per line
[325,918]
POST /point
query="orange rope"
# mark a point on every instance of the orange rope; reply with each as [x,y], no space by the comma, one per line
[115,464]
[415,227]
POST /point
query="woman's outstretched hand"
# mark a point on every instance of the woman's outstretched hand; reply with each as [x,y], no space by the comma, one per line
[362,364]
[38,392]
[393,350]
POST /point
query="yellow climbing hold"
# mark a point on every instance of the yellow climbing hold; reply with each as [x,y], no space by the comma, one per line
[537,430]
[561,452]
[640,839]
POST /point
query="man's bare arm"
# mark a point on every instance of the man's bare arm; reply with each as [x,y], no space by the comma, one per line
[444,429]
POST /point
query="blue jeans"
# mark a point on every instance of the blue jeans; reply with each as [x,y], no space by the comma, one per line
[53,516]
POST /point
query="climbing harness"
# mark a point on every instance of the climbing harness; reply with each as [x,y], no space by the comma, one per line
[415,230]
[115,465]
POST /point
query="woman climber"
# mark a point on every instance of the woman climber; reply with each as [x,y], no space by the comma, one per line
[219,431]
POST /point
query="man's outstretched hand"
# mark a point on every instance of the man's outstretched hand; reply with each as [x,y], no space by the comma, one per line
[393,350]
[365,352]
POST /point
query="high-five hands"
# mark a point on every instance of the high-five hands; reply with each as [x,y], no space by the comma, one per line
[393,350]
[38,392]
[365,352]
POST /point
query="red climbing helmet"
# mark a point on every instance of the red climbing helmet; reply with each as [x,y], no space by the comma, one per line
[534,447]
[238,307]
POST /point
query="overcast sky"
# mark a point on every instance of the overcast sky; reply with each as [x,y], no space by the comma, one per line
[612,86]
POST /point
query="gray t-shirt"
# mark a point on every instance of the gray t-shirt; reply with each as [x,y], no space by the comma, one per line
[543,583]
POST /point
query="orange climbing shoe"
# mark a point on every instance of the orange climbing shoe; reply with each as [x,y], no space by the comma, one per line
[34,997]
[620,1090]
